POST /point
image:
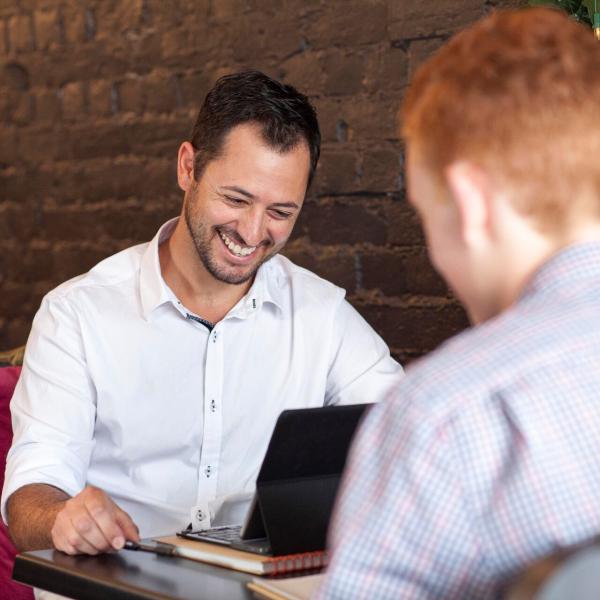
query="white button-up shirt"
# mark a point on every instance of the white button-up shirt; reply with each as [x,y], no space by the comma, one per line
[125,389]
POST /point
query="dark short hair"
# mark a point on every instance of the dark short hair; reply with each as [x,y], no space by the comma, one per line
[286,117]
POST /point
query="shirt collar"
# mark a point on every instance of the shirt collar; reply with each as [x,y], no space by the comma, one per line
[566,269]
[267,286]
[266,289]
[153,289]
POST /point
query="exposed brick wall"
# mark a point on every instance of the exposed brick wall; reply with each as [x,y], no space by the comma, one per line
[95,97]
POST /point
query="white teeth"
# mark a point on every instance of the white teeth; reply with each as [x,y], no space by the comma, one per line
[236,248]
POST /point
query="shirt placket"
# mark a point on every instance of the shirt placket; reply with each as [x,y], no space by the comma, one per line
[208,469]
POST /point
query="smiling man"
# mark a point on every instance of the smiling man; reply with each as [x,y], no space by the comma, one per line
[151,384]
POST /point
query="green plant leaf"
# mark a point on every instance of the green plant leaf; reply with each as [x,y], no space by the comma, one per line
[580,10]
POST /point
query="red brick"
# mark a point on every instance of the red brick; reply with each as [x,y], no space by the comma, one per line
[403,225]
[372,118]
[225,10]
[329,110]
[73,101]
[47,31]
[159,93]
[342,222]
[350,23]
[402,274]
[47,105]
[409,20]
[23,108]
[304,71]
[421,50]
[160,13]
[8,144]
[135,224]
[181,43]
[415,328]
[20,33]
[381,169]
[12,301]
[72,224]
[27,265]
[129,95]
[21,182]
[18,222]
[144,53]
[344,71]
[16,107]
[338,172]
[41,142]
[115,179]
[387,69]
[5,105]
[15,76]
[256,38]
[101,98]
[194,87]
[4,39]
[16,331]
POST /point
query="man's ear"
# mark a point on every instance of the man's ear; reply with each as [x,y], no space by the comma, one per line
[185,166]
[470,192]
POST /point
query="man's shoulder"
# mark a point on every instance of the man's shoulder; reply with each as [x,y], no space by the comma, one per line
[112,272]
[493,359]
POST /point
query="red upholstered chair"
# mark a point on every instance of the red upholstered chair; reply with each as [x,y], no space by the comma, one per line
[9,589]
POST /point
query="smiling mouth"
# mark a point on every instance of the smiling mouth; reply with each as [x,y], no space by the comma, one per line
[236,249]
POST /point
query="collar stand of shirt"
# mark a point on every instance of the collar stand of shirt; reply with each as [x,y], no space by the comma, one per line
[563,270]
[155,292]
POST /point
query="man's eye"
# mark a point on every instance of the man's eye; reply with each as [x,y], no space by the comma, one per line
[281,214]
[236,201]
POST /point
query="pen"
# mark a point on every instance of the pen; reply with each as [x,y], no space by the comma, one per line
[162,549]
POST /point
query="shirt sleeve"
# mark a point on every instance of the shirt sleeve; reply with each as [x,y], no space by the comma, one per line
[53,406]
[402,527]
[362,369]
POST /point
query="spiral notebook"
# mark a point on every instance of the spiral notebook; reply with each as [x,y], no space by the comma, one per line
[248,562]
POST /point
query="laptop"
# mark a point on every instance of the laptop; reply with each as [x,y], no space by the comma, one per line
[296,485]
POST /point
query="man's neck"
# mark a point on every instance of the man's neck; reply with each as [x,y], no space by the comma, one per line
[523,252]
[194,286]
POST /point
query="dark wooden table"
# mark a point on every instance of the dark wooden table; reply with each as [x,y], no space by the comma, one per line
[129,575]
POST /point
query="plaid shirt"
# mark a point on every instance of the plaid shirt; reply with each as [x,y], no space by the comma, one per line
[488,456]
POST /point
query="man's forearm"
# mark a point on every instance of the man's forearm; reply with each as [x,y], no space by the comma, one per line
[31,512]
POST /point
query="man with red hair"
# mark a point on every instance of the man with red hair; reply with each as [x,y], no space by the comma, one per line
[486,458]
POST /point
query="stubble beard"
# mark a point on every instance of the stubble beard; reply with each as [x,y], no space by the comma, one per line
[202,235]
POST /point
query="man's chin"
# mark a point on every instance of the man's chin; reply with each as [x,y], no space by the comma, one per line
[225,271]
[235,276]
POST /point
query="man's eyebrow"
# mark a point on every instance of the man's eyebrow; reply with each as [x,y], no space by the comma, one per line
[285,205]
[239,190]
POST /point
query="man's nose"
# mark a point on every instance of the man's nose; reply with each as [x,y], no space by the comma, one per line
[252,227]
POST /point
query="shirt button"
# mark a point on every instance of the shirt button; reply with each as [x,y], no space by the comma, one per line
[213,406]
[208,471]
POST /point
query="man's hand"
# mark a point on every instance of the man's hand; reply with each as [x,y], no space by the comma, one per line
[90,523]
[41,516]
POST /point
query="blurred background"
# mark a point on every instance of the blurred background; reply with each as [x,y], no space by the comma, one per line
[96,96]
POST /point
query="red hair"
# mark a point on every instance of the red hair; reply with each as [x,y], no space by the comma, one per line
[518,93]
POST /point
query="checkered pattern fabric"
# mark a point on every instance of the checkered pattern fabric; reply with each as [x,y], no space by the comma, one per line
[488,455]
